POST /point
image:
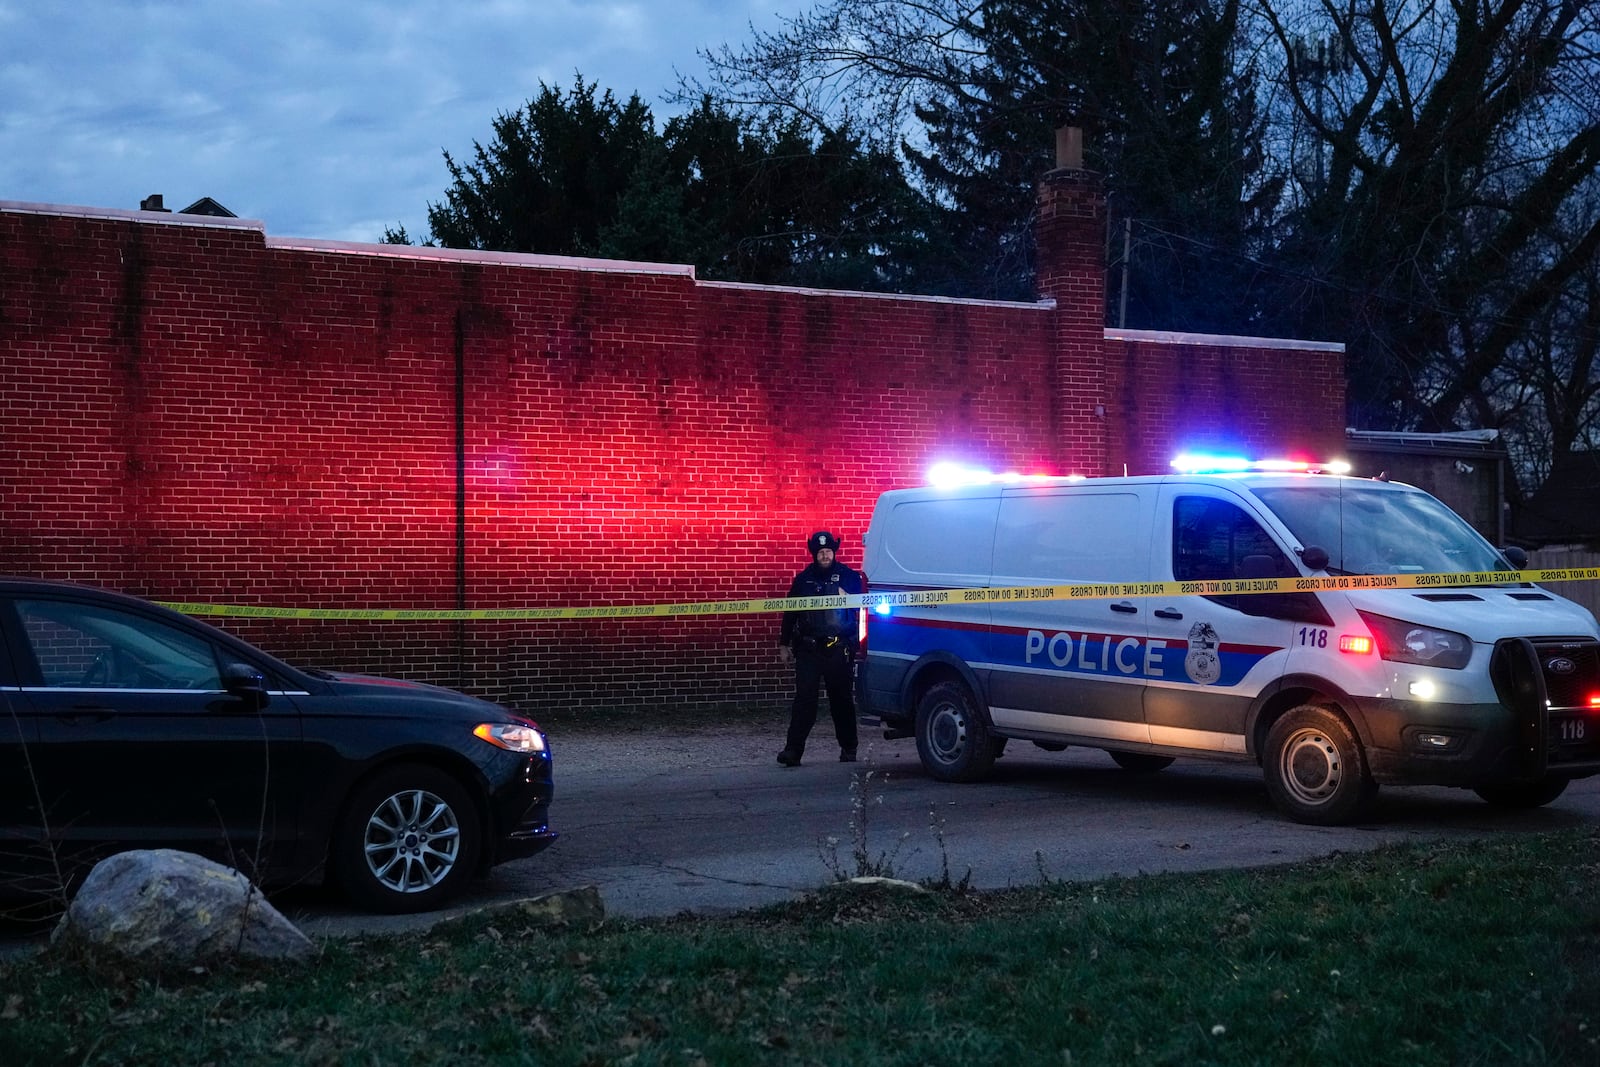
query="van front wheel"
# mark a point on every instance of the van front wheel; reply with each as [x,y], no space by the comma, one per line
[1314,767]
[953,737]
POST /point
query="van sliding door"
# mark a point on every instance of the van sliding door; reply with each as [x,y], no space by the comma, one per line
[1073,667]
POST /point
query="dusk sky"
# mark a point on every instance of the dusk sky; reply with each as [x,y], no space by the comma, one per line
[321,119]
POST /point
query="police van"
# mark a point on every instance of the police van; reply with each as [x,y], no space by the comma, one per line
[1492,686]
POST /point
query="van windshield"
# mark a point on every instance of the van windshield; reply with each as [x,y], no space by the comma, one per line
[1381,530]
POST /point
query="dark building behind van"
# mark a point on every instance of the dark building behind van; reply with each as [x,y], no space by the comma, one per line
[1468,470]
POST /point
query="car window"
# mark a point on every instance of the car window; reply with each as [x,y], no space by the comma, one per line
[93,647]
[1377,529]
[1213,538]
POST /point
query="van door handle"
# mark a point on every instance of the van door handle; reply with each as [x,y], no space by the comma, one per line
[1125,608]
[1168,613]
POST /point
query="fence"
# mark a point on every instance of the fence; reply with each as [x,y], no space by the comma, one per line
[1585,593]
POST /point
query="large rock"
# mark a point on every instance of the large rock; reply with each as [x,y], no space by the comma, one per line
[565,907]
[873,884]
[167,907]
[569,906]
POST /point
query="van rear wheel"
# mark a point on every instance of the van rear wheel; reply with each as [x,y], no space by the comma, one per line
[1315,769]
[953,738]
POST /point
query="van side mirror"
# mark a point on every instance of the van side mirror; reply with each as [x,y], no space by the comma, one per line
[1315,557]
[244,681]
[1515,556]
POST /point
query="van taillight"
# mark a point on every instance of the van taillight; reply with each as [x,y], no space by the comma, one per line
[1357,645]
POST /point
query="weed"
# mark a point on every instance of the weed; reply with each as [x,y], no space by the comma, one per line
[866,792]
[936,825]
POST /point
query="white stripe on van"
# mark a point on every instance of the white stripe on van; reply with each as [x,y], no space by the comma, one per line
[1039,722]
[1178,737]
[1117,730]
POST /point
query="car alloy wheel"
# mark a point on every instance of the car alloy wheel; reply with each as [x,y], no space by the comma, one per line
[409,839]
[413,841]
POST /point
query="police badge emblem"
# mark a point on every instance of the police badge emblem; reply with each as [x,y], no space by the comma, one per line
[1203,665]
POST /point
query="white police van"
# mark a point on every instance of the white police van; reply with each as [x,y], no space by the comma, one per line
[1493,686]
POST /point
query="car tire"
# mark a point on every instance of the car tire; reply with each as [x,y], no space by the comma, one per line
[408,840]
[953,738]
[1523,794]
[1141,762]
[1316,772]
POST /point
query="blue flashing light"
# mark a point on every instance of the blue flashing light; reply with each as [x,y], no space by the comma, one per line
[881,607]
[1202,463]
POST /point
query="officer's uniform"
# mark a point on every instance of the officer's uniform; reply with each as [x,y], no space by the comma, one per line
[824,644]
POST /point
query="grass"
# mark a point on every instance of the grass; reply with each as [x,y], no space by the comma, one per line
[1481,953]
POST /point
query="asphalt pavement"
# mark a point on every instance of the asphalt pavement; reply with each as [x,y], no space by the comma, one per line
[704,821]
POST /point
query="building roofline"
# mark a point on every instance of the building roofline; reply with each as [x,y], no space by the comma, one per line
[154,218]
[312,244]
[1221,340]
[1448,443]
[473,255]
[1044,305]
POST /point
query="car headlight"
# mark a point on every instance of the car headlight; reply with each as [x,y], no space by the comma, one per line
[511,736]
[1406,642]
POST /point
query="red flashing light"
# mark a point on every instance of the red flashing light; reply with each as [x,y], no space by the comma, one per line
[1594,700]
[1355,644]
[1206,463]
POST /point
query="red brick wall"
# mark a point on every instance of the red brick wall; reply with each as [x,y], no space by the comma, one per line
[195,412]
[1175,392]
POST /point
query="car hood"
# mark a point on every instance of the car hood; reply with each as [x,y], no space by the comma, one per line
[398,696]
[1484,613]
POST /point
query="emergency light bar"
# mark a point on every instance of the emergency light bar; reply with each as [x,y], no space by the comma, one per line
[1201,463]
[947,475]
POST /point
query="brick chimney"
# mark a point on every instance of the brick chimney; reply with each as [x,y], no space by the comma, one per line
[1070,268]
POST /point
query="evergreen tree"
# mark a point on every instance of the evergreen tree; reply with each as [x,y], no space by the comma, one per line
[551,178]
[758,199]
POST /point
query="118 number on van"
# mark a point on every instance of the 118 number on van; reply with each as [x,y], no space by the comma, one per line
[1313,638]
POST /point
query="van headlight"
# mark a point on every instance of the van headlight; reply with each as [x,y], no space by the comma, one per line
[1406,642]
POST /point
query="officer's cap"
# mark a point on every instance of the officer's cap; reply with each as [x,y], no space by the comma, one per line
[820,540]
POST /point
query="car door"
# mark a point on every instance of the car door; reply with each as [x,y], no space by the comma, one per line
[1216,652]
[1074,667]
[137,745]
[23,859]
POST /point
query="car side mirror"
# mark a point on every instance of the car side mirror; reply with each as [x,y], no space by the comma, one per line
[244,681]
[1315,557]
[1515,556]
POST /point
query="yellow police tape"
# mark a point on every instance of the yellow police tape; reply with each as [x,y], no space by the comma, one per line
[921,597]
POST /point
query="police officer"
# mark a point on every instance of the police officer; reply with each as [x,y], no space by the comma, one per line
[822,647]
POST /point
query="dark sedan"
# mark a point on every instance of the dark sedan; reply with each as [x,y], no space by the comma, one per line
[125,725]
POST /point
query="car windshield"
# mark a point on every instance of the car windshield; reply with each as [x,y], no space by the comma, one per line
[1381,530]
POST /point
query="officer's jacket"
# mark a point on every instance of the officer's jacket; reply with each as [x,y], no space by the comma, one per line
[833,580]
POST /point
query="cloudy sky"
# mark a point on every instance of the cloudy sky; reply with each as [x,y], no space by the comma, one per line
[322,118]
